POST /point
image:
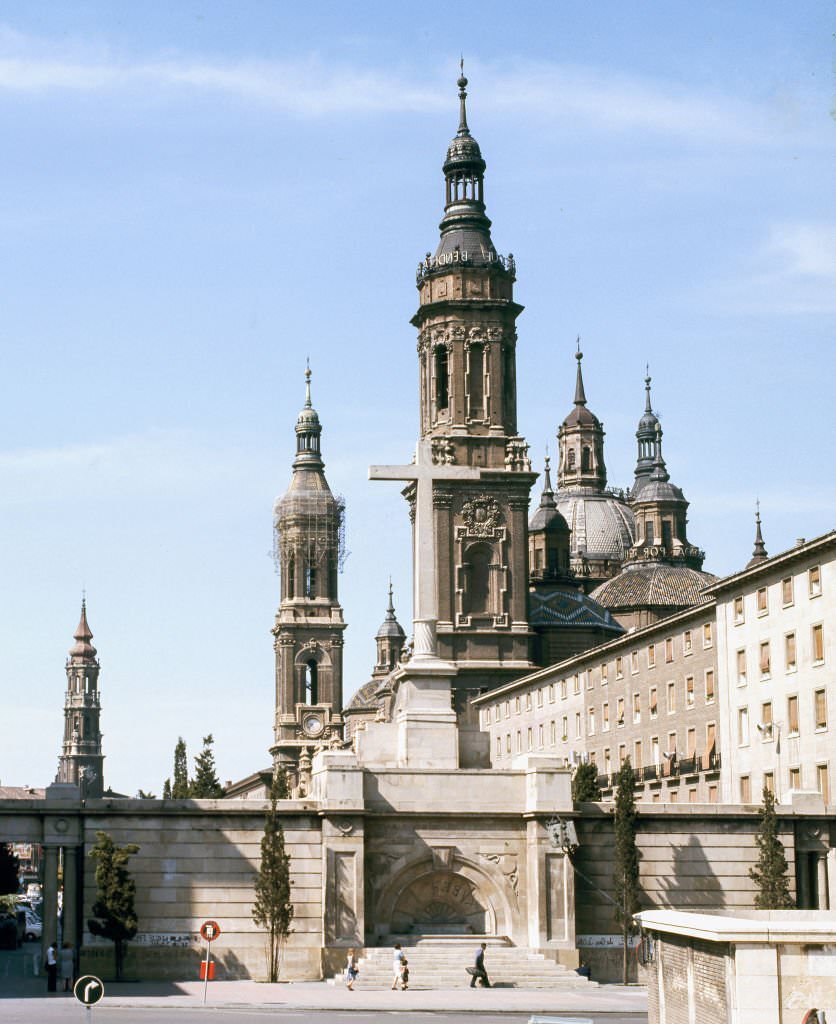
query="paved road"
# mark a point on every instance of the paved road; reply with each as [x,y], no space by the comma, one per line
[42,1011]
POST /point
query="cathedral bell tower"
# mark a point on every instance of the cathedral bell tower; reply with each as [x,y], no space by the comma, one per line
[81,761]
[308,522]
[468,416]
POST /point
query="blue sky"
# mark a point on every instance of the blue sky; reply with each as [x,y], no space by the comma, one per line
[195,197]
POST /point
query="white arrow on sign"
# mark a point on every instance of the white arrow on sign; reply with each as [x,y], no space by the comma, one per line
[90,987]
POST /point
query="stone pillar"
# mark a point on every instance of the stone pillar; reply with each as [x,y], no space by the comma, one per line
[803,860]
[70,911]
[831,877]
[50,908]
[821,880]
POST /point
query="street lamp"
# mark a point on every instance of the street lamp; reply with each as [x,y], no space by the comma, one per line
[769,730]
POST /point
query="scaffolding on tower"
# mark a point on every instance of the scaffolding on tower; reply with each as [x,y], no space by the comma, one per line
[311,522]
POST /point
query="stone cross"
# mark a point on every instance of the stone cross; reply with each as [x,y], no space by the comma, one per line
[424,472]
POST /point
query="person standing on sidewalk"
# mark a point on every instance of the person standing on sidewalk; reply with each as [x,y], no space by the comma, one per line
[51,968]
[479,971]
[67,965]
[351,970]
[397,966]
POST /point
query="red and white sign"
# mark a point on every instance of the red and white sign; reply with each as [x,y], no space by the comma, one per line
[210,930]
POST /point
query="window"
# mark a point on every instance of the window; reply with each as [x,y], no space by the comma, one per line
[551,693]
[669,650]
[528,702]
[712,793]
[540,736]
[792,715]
[820,704]
[588,677]
[795,778]
[673,797]
[769,782]
[671,751]
[499,746]
[441,378]
[738,610]
[519,742]
[786,591]
[710,742]
[692,795]
[604,673]
[565,732]
[496,712]
[707,635]
[689,691]
[530,738]
[651,655]
[764,661]
[671,698]
[741,667]
[823,782]
[709,686]
[553,732]
[476,381]
[637,708]
[507,709]
[619,712]
[540,698]
[607,760]
[619,667]
[766,720]
[654,710]
[790,655]
[814,581]
[605,717]
[622,753]
[763,601]
[576,683]
[634,662]
[745,790]
[508,743]
[742,726]
[577,725]
[687,646]
[654,750]
[590,721]
[311,671]
[637,754]
[516,705]
[818,644]
[563,689]
[692,742]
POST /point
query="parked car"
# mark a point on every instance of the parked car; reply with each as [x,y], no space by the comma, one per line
[34,927]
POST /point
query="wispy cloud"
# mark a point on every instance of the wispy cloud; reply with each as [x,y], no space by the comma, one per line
[157,463]
[309,87]
[793,270]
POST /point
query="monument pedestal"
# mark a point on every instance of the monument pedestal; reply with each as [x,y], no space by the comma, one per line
[427,731]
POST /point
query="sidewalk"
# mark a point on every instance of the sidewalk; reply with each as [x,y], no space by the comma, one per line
[317,995]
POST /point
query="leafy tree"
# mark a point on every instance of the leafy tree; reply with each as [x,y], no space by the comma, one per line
[273,909]
[626,870]
[142,795]
[205,785]
[180,788]
[113,908]
[9,870]
[770,874]
[167,789]
[585,783]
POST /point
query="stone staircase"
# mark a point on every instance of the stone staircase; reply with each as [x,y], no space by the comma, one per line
[439,962]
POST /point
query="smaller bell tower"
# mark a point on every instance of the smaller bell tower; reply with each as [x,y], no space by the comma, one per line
[308,522]
[81,761]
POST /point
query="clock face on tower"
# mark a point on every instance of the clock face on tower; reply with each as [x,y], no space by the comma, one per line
[312,725]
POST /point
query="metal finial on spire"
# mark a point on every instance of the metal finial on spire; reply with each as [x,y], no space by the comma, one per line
[390,609]
[580,394]
[759,553]
[462,84]
[547,478]
[647,405]
[308,384]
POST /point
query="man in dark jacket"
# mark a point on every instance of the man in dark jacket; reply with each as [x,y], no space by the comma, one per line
[478,970]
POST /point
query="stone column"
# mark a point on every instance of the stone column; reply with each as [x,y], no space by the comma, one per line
[803,858]
[821,879]
[50,908]
[831,877]
[70,895]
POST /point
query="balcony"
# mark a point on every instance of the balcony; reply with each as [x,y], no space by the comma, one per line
[670,768]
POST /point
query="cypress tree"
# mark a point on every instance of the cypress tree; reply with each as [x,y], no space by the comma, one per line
[626,869]
[167,789]
[180,788]
[770,873]
[585,783]
[205,785]
[114,912]
[273,909]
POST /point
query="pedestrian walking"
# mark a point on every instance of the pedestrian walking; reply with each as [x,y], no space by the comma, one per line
[397,965]
[51,967]
[66,965]
[351,970]
[477,972]
[404,973]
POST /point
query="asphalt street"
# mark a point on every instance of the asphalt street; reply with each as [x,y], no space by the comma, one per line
[66,1012]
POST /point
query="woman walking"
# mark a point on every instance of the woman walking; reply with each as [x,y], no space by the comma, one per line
[67,965]
[397,966]
[351,970]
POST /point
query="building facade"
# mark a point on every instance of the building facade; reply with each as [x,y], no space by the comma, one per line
[775,623]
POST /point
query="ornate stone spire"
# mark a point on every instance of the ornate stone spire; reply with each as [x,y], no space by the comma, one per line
[390,640]
[82,649]
[660,470]
[646,439]
[581,443]
[759,554]
[308,432]
[462,84]
[580,394]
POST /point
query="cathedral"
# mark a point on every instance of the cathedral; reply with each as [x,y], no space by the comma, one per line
[502,592]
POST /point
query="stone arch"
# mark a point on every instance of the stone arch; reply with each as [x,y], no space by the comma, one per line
[430,897]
